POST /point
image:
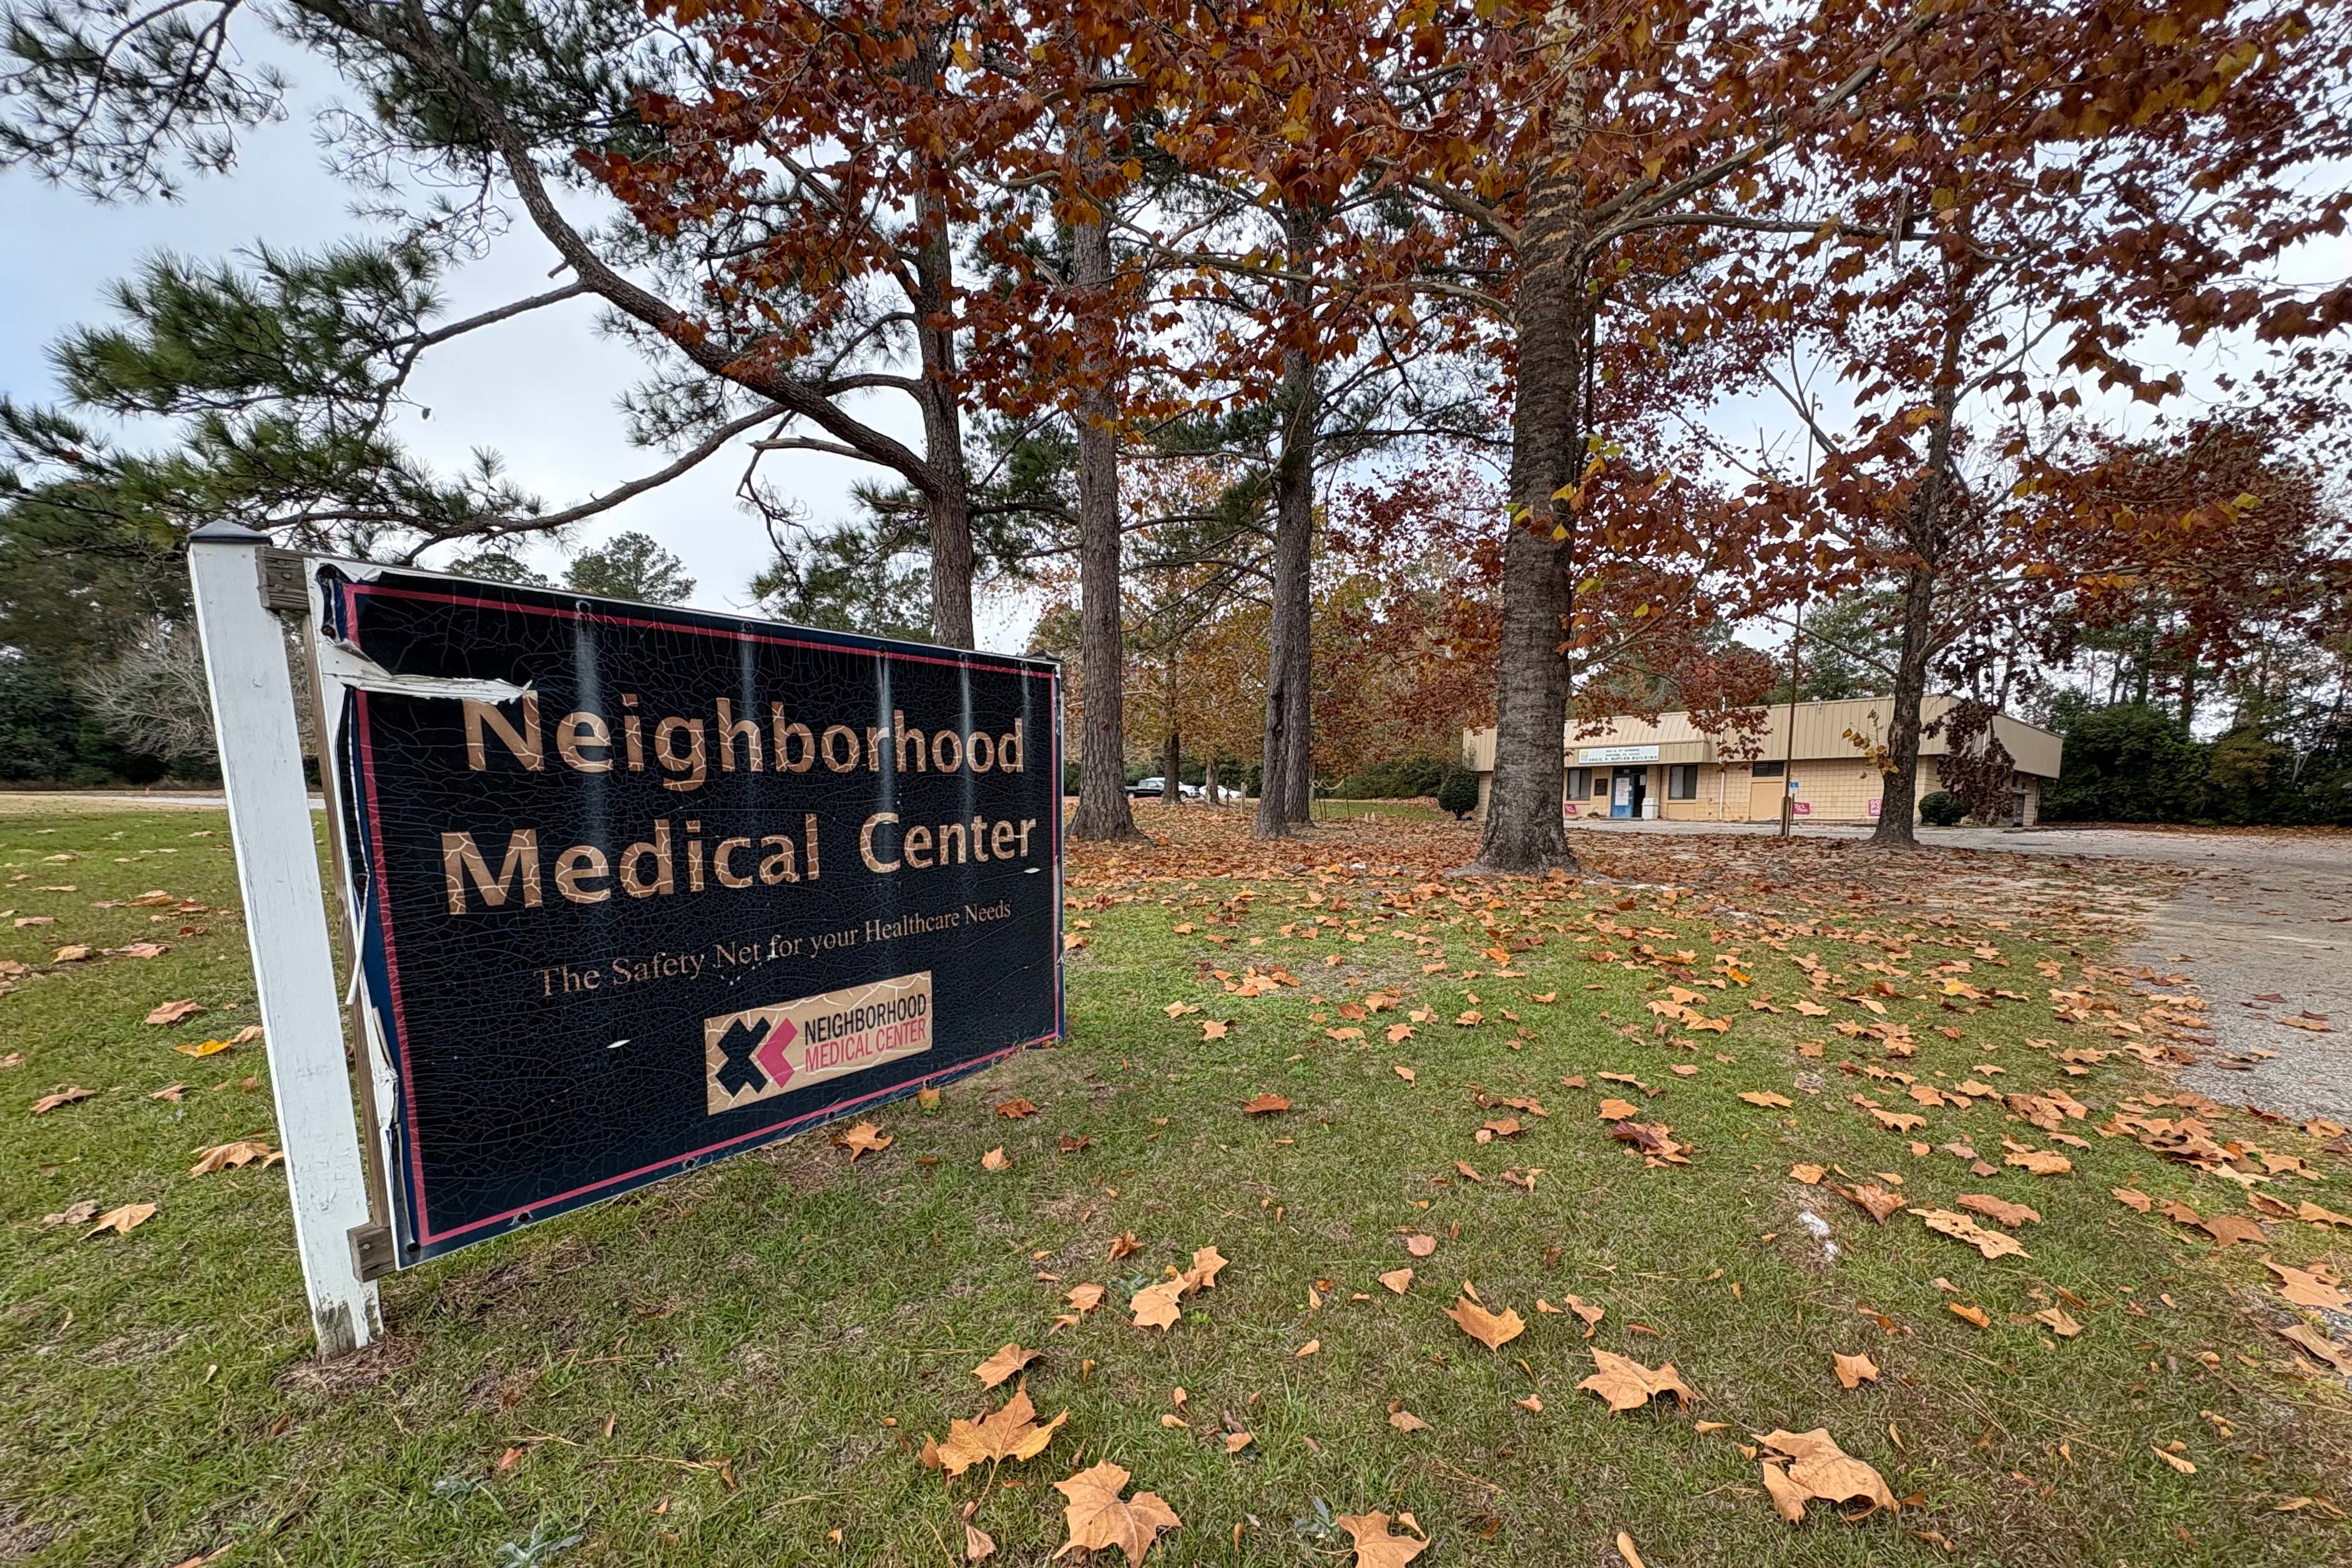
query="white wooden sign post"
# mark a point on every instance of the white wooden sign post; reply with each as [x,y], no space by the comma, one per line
[286,921]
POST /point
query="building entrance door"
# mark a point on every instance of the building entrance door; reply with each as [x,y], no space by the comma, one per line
[1625,792]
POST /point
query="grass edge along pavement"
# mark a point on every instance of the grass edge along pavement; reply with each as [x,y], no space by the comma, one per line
[738,1364]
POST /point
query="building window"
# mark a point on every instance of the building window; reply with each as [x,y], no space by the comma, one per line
[1580,783]
[1769,770]
[1600,784]
[1682,781]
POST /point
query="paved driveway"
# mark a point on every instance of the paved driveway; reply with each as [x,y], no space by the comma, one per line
[2262,928]
[32,802]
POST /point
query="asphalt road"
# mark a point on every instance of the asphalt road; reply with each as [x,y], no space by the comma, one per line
[2262,930]
[20,802]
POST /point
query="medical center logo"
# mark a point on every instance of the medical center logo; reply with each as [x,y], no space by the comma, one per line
[761,1053]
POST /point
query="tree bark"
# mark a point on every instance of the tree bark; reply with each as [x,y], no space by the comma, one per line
[953,560]
[1286,797]
[1524,832]
[1171,767]
[1104,811]
[1898,811]
[1294,592]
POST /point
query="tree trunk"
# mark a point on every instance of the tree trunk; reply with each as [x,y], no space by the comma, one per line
[1898,812]
[1104,811]
[1293,586]
[1274,818]
[1172,766]
[953,560]
[1284,798]
[1213,777]
[1524,831]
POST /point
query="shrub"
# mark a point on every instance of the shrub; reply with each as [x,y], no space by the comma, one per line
[1457,792]
[2128,763]
[1942,810]
[1402,778]
[2132,763]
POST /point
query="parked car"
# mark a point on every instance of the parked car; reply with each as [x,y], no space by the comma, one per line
[1154,787]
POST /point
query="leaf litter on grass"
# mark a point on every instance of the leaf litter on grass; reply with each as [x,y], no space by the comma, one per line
[1656,936]
[2082,994]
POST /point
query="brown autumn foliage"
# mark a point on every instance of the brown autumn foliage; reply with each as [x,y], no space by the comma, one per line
[1969,211]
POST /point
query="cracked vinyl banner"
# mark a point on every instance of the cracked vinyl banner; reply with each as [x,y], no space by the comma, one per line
[641,887]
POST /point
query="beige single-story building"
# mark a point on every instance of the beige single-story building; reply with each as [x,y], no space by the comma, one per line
[1668,768]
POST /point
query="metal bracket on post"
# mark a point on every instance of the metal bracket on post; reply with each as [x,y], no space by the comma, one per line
[238,591]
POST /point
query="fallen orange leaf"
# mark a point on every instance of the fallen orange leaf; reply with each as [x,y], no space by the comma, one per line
[1626,1385]
[1100,1520]
[1376,1546]
[1155,1307]
[1493,1330]
[2009,1214]
[1011,1432]
[997,1368]
[121,1221]
[1804,1467]
[1961,1227]
[222,1156]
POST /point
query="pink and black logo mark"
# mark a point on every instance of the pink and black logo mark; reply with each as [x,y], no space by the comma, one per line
[762,1052]
[756,1055]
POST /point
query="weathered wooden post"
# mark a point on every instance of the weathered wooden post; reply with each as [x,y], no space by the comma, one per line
[286,919]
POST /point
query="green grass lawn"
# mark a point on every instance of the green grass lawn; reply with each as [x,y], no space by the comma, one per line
[742,1365]
[1330,808]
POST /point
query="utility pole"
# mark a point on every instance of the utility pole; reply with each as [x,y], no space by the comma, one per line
[1788,742]
[1797,650]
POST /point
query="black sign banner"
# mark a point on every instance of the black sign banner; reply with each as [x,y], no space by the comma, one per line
[660,886]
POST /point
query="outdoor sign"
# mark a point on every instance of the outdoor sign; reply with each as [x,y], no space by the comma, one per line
[635,888]
[1617,753]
